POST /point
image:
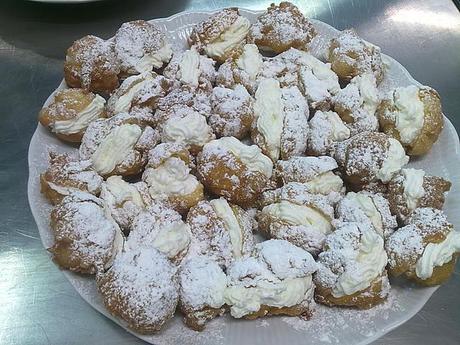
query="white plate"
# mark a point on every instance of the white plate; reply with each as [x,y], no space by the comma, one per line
[328,325]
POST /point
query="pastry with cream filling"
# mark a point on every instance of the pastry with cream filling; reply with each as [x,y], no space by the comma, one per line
[141,288]
[202,291]
[291,213]
[67,173]
[220,34]
[351,269]
[277,280]
[350,56]
[91,64]
[118,145]
[141,47]
[426,249]
[221,230]
[280,127]
[412,115]
[236,171]
[282,27]
[86,238]
[70,112]
[326,128]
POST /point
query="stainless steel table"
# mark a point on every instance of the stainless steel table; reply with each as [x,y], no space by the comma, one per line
[37,304]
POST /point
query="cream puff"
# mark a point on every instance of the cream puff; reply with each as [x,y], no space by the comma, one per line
[91,64]
[140,47]
[169,179]
[412,188]
[351,269]
[425,250]
[236,171]
[350,56]
[220,34]
[412,115]
[326,128]
[221,230]
[86,238]
[70,112]
[141,288]
[118,145]
[67,173]
[280,126]
[277,280]
[282,27]
[369,157]
[202,291]
[366,208]
[291,213]
[232,112]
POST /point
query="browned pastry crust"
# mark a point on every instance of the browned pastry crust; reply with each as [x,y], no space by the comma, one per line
[282,27]
[66,105]
[197,319]
[91,64]
[301,310]
[441,274]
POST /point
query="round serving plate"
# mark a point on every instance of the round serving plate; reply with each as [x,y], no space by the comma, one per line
[328,325]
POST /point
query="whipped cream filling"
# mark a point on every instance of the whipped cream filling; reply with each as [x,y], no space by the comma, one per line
[83,118]
[368,92]
[370,263]
[225,212]
[268,110]
[413,186]
[121,192]
[251,156]
[189,130]
[409,117]
[367,205]
[325,183]
[154,60]
[171,178]
[189,67]
[228,39]
[123,103]
[437,254]
[340,131]
[173,239]
[283,293]
[396,158]
[250,61]
[298,215]
[115,147]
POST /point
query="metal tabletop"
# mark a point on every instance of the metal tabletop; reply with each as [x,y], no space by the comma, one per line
[37,304]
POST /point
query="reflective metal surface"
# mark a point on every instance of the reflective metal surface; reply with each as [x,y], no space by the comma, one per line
[37,305]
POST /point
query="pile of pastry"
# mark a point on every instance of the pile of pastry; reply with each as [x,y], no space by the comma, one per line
[185,155]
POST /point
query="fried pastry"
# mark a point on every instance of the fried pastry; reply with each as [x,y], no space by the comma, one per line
[425,250]
[277,280]
[141,288]
[168,177]
[221,230]
[70,112]
[118,145]
[282,27]
[291,213]
[412,115]
[326,128]
[369,157]
[412,188]
[220,34]
[161,227]
[366,208]
[350,56]
[141,46]
[351,269]
[67,173]
[91,64]
[280,126]
[236,171]
[189,67]
[232,112]
[138,91]
[86,238]
[202,291]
